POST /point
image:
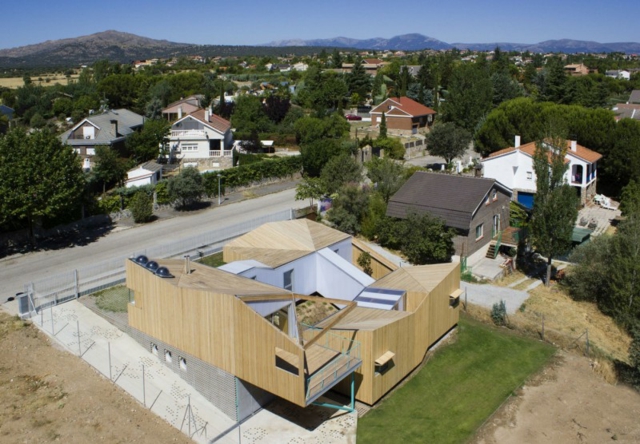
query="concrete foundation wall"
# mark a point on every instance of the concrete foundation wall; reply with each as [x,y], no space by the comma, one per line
[219,387]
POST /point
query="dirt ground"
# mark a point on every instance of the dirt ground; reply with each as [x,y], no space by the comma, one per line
[566,403]
[48,395]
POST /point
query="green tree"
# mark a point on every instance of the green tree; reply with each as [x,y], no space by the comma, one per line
[145,144]
[392,147]
[383,127]
[425,240]
[630,199]
[108,168]
[469,98]
[358,81]
[39,178]
[386,175]
[315,155]
[249,115]
[349,208]
[339,171]
[310,188]
[555,207]
[448,141]
[141,207]
[553,81]
[187,188]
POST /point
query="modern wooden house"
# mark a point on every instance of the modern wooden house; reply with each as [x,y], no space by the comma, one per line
[242,318]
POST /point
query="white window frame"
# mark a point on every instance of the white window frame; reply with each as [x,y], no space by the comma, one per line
[481,229]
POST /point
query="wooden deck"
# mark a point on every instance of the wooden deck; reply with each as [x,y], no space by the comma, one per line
[317,357]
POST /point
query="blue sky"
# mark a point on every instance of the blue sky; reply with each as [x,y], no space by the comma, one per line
[251,22]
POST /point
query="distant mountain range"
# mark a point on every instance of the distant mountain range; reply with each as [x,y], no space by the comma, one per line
[124,47]
[416,42]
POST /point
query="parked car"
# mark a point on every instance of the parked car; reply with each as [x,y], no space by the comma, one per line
[353,117]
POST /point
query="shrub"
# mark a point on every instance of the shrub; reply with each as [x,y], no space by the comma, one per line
[141,207]
[364,261]
[162,193]
[186,188]
[499,313]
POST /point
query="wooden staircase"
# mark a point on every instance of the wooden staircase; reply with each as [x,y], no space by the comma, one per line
[492,252]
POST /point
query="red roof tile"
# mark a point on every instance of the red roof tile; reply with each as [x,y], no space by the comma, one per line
[216,122]
[406,104]
[581,152]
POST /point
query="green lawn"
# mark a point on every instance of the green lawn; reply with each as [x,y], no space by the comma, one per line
[114,299]
[457,390]
[215,260]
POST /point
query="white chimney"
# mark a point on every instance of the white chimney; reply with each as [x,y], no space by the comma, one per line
[187,264]
[517,142]
[574,145]
[180,112]
[206,114]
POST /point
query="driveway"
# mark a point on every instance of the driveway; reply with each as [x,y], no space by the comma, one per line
[487,295]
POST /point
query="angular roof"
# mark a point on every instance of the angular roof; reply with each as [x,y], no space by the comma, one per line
[277,243]
[635,96]
[581,152]
[405,104]
[452,198]
[627,111]
[216,122]
[215,280]
[127,120]
[420,278]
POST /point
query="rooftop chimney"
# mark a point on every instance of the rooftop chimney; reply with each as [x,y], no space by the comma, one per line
[517,142]
[180,112]
[187,264]
[206,114]
[574,145]
[114,125]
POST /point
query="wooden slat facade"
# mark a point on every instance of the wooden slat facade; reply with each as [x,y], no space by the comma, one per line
[380,265]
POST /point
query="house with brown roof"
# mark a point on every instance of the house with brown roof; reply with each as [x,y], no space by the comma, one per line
[577,69]
[202,138]
[403,114]
[513,167]
[477,208]
[180,108]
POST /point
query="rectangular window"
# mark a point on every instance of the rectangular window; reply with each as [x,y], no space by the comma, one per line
[287,361]
[529,175]
[288,280]
[384,362]
[167,356]
[183,363]
[154,349]
[479,231]
[189,147]
[494,195]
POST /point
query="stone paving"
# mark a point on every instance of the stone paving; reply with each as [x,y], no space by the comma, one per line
[595,215]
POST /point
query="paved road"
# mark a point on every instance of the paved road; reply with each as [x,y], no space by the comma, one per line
[16,270]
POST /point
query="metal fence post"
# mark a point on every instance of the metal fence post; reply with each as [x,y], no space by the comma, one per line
[79,347]
[587,342]
[75,278]
[543,327]
[109,350]
[144,394]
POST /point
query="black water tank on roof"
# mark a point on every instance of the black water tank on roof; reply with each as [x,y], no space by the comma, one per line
[142,260]
[163,272]
[152,265]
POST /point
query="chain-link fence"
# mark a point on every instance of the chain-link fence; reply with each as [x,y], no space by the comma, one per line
[60,288]
[117,357]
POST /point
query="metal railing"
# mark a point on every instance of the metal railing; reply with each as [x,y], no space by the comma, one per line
[75,283]
[347,360]
[188,133]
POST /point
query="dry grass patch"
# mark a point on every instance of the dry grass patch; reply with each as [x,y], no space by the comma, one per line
[570,318]
[510,279]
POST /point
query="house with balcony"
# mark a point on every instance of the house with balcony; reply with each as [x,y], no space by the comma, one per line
[239,332]
[513,167]
[180,108]
[202,139]
[110,128]
[403,115]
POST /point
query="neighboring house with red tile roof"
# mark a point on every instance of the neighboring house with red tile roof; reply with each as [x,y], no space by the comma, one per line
[403,114]
[513,167]
[177,110]
[204,138]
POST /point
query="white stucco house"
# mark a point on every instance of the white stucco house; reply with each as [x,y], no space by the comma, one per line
[513,167]
[203,138]
[148,173]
